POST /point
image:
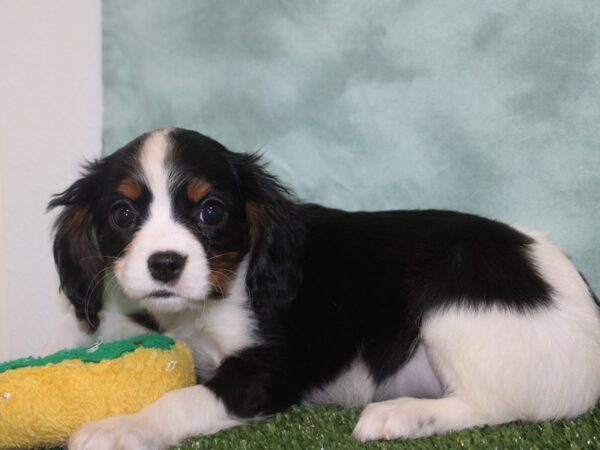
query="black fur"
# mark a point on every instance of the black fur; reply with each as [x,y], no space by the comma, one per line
[327,286]
[83,244]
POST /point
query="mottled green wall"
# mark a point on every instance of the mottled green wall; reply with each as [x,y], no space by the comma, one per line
[487,107]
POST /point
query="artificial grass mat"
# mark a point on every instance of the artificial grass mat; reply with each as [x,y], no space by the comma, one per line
[329,427]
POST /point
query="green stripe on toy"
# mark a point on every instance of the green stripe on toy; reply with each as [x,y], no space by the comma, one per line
[94,354]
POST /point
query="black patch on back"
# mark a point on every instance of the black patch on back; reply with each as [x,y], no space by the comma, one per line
[369,278]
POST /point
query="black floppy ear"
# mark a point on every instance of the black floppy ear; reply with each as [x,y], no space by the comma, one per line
[76,253]
[275,232]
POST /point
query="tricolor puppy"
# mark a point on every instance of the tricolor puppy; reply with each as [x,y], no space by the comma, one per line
[435,320]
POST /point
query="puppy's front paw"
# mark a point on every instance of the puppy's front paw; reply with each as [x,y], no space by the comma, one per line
[127,432]
[393,419]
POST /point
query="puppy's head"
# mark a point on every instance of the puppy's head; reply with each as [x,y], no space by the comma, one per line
[172,214]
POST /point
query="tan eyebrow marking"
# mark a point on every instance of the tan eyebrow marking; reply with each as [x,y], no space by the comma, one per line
[130,188]
[197,189]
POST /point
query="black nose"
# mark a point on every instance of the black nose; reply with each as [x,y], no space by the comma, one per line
[166,266]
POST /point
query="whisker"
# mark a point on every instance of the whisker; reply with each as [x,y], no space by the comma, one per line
[96,280]
[227,277]
[98,257]
[223,269]
[222,254]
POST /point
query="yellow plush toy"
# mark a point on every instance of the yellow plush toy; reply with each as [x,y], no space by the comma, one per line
[44,400]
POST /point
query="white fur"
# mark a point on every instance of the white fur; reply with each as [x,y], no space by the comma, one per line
[161,232]
[415,379]
[173,417]
[216,330]
[499,365]
[406,418]
[71,332]
[355,386]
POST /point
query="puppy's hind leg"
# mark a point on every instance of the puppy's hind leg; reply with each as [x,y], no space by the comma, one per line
[501,364]
[406,418]
[454,349]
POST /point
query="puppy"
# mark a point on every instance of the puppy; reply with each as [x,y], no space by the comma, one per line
[435,320]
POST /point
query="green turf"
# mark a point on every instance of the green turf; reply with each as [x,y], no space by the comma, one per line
[97,353]
[330,428]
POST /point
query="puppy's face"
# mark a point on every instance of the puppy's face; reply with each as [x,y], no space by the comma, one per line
[166,213]
[174,224]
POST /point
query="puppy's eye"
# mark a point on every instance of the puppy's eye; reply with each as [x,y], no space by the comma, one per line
[123,216]
[212,212]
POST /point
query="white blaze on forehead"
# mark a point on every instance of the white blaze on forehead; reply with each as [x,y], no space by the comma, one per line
[153,162]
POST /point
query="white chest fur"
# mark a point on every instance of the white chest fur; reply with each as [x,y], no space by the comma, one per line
[216,329]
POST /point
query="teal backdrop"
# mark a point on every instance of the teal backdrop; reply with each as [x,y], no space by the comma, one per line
[486,107]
